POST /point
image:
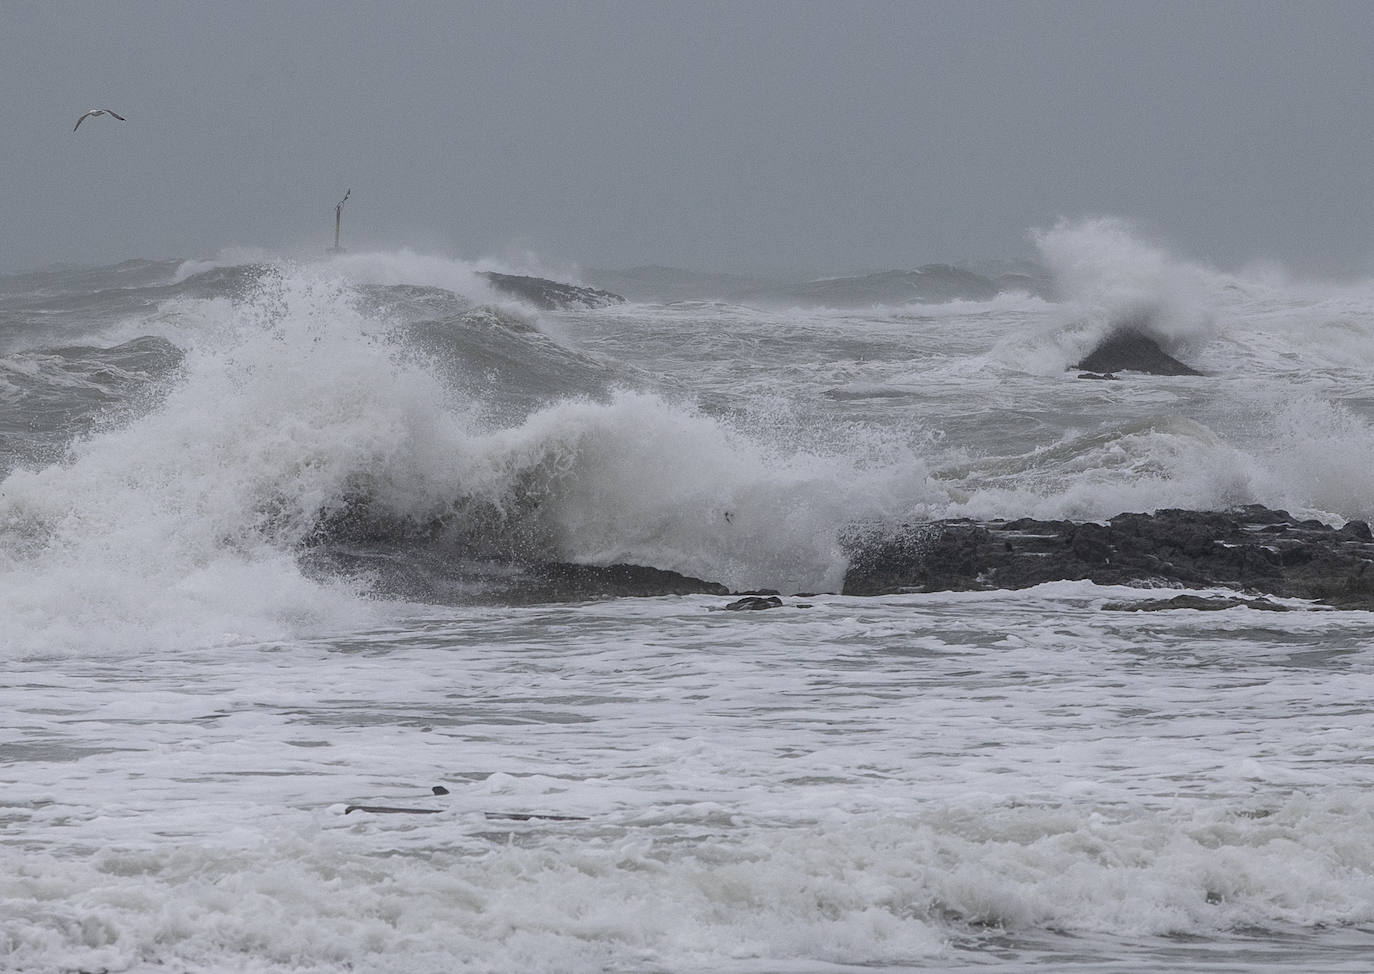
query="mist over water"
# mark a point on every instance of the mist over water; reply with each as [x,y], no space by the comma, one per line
[1005,780]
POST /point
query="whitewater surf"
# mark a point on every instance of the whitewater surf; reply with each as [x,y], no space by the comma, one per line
[287,541]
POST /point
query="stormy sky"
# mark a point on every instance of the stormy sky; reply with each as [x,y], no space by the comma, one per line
[842,136]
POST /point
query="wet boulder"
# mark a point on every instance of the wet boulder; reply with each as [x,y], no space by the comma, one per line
[1128,348]
[1249,549]
[755,602]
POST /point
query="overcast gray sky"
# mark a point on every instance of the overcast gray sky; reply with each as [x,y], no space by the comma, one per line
[838,136]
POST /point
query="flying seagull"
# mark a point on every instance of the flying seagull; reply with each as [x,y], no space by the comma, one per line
[93,112]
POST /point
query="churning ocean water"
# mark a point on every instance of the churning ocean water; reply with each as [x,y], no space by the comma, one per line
[262,524]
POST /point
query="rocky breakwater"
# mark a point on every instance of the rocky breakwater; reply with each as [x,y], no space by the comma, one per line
[1250,549]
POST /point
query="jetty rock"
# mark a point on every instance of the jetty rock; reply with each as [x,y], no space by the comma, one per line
[1128,347]
[437,575]
[551,295]
[1250,549]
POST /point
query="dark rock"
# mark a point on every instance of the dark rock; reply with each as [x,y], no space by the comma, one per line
[1259,514]
[1358,529]
[1095,375]
[1353,600]
[1128,348]
[439,790]
[929,283]
[421,570]
[755,602]
[390,810]
[565,582]
[551,295]
[1240,549]
[931,557]
[473,553]
[1201,602]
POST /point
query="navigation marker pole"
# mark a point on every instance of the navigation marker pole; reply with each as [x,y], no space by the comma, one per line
[338,220]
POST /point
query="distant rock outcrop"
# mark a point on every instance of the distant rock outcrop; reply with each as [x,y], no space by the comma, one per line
[932,283]
[652,282]
[1251,549]
[1129,349]
[551,295]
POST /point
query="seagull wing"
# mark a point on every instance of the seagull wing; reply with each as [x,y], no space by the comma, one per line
[97,111]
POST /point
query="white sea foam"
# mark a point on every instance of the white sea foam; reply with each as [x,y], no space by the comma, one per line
[871,891]
[862,783]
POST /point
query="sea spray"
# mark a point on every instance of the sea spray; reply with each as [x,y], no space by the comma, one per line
[291,408]
[274,415]
[643,481]
[1108,274]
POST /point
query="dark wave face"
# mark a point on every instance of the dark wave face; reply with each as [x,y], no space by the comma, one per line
[383,439]
[53,391]
[50,395]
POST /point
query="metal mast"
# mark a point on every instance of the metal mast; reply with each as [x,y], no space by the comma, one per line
[338,221]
